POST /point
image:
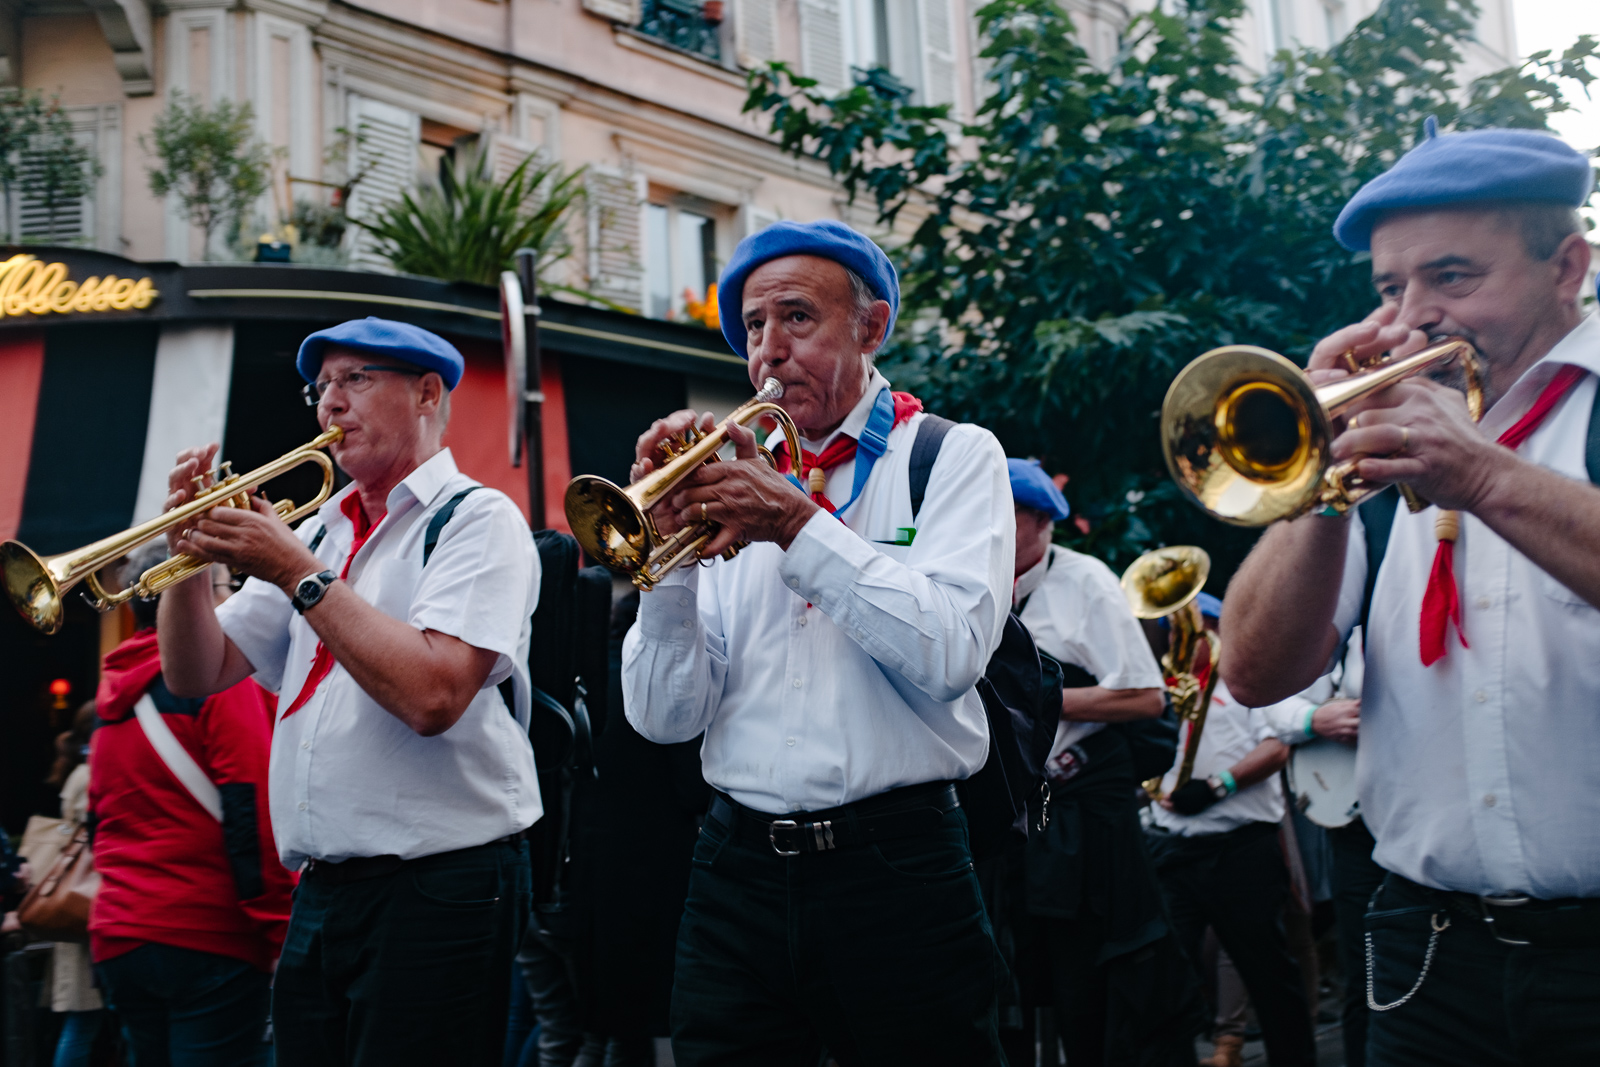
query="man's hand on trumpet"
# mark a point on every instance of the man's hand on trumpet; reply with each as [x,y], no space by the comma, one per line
[746,498]
[1416,431]
[255,542]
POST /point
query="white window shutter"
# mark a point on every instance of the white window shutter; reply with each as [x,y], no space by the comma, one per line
[616,220]
[386,157]
[755,219]
[74,221]
[755,32]
[507,153]
[939,53]
[822,44]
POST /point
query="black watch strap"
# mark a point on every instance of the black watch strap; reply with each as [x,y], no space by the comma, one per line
[308,592]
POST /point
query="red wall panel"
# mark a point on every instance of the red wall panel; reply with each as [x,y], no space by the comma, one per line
[21,368]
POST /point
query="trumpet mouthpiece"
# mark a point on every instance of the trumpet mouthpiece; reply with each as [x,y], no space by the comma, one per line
[771,389]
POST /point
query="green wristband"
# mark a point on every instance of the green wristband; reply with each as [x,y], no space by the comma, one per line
[1311,713]
[1226,778]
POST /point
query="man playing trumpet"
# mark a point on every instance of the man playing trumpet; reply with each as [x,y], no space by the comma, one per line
[831,665]
[1479,764]
[392,625]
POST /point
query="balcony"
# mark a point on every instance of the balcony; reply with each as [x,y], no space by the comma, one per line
[688,25]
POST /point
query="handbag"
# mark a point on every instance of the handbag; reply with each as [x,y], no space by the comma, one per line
[57,909]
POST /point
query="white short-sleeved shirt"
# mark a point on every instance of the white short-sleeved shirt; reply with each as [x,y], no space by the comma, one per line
[1481,773]
[1075,608]
[1231,732]
[845,666]
[349,779]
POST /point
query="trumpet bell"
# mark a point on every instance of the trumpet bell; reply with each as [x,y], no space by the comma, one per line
[1165,580]
[32,588]
[1245,436]
[607,522]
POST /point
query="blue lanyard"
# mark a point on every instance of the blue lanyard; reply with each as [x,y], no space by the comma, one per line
[870,447]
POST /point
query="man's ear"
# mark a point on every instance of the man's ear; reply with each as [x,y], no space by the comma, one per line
[433,391]
[1572,266]
[877,324]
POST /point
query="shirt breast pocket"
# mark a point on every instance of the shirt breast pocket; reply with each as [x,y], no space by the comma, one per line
[390,585]
[1563,595]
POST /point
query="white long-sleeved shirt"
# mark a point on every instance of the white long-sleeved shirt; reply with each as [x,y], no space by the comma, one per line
[1075,608]
[346,777]
[1481,773]
[1231,732]
[845,666]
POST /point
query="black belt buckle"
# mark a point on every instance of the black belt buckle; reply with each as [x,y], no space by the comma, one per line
[821,835]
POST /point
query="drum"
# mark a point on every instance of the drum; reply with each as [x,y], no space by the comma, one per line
[1322,779]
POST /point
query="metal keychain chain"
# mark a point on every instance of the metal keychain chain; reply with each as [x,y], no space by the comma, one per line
[1427,961]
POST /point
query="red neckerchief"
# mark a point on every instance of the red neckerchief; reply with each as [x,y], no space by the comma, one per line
[842,450]
[1441,602]
[322,663]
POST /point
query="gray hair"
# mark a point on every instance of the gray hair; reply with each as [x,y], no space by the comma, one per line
[862,297]
[1545,226]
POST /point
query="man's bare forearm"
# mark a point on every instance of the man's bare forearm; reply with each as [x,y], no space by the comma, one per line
[424,679]
[1277,621]
[1551,519]
[1094,703]
[197,659]
[1262,762]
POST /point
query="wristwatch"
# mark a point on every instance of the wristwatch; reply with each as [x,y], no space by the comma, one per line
[308,592]
[1219,788]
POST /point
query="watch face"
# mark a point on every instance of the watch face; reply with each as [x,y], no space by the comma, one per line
[308,589]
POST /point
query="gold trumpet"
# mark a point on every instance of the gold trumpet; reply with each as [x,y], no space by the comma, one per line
[1246,434]
[614,524]
[1163,583]
[36,585]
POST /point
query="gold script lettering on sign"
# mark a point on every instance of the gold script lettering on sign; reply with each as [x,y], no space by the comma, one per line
[30,287]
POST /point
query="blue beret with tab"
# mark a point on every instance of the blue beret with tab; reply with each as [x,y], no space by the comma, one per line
[1467,168]
[383,337]
[1032,488]
[826,238]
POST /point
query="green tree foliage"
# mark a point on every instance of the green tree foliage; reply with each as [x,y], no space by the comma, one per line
[1092,230]
[211,158]
[469,226]
[40,158]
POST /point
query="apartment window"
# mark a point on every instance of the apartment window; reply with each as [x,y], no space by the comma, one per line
[681,258]
[687,24]
[439,143]
[906,48]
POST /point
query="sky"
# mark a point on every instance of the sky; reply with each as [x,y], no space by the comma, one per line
[1556,24]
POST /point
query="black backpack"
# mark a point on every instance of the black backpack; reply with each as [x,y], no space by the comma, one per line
[1021,692]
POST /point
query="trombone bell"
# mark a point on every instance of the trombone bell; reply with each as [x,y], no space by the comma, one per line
[1246,434]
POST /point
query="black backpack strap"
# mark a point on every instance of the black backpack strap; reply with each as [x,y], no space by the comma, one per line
[1591,452]
[316,542]
[440,518]
[924,451]
[1377,519]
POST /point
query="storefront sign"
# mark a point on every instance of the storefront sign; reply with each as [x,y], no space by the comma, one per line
[31,287]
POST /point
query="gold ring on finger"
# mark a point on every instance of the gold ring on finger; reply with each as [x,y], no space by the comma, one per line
[1355,420]
[1405,439]
[703,516]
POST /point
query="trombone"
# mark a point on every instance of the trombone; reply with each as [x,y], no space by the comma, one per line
[614,524]
[36,584]
[1246,434]
[1163,583]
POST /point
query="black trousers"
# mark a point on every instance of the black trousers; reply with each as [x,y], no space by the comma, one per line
[412,966]
[1237,884]
[1355,879]
[1481,1002]
[882,954]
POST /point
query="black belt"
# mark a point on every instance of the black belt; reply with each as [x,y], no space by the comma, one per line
[360,868]
[1572,922]
[909,811]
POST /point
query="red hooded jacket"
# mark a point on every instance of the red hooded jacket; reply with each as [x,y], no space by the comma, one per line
[171,873]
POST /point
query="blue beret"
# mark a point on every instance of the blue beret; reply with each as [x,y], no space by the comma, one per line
[1210,606]
[828,239]
[383,337]
[1032,488]
[1466,168]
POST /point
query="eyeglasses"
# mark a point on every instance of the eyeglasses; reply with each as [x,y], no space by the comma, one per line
[356,381]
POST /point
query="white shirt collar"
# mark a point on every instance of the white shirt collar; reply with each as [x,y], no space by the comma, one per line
[421,486]
[1580,348]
